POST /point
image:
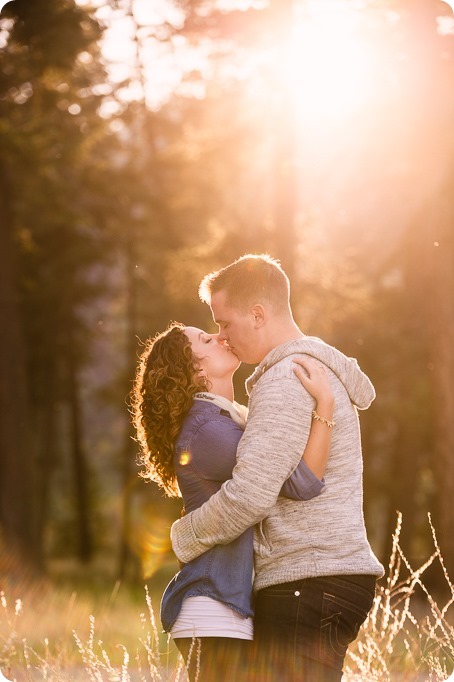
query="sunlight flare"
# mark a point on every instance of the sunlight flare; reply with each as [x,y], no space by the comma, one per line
[327,62]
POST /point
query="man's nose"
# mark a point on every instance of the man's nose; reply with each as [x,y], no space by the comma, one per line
[221,337]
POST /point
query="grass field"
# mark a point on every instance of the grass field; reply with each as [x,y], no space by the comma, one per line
[96,630]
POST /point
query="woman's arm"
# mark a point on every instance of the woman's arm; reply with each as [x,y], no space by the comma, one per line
[315,380]
[307,480]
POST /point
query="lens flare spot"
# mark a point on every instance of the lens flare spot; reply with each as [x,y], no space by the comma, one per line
[148,531]
[150,542]
[185,458]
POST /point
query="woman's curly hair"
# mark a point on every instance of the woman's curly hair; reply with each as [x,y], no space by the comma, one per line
[166,380]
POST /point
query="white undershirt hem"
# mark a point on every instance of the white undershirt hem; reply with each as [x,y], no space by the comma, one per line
[206,617]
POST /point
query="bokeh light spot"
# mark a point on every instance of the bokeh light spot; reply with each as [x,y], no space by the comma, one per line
[185,458]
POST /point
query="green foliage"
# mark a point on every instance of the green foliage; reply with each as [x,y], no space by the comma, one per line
[49,131]
[49,136]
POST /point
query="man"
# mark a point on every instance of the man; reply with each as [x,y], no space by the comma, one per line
[315,572]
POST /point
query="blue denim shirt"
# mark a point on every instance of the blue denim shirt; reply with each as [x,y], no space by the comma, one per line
[205,455]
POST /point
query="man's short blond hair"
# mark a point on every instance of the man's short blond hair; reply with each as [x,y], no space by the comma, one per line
[253,278]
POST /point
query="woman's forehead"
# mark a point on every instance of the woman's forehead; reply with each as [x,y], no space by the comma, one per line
[193,333]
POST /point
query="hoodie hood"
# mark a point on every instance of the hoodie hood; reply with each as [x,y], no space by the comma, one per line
[358,385]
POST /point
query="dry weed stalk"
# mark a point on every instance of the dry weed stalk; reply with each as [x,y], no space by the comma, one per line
[392,640]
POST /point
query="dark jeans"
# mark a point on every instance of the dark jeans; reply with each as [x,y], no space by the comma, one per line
[303,628]
[216,659]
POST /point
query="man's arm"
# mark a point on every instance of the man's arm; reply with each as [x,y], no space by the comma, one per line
[276,433]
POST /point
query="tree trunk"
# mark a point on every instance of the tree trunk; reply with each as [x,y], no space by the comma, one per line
[80,470]
[142,155]
[126,558]
[15,462]
[45,462]
[404,478]
[430,99]
[441,322]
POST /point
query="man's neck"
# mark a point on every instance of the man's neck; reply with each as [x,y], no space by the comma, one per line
[282,334]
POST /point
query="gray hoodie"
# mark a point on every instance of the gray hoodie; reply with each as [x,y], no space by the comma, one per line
[294,539]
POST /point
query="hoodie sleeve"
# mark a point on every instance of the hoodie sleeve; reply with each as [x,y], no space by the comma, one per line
[358,385]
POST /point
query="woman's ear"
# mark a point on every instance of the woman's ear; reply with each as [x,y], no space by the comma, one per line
[258,315]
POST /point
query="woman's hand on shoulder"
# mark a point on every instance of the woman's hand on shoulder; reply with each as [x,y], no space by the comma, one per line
[314,377]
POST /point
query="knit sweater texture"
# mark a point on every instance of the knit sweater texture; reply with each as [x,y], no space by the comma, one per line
[293,539]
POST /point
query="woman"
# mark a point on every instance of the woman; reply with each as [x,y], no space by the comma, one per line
[189,427]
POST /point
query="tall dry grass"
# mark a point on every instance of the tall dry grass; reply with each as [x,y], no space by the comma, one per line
[395,644]
[63,642]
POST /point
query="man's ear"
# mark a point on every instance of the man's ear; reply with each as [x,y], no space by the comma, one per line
[258,315]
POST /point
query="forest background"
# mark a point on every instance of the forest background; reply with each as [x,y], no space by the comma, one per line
[144,144]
